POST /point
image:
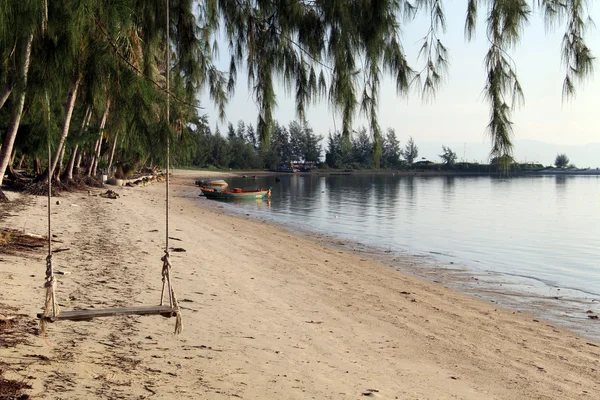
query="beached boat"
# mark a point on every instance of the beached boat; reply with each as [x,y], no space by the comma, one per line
[212,183]
[237,193]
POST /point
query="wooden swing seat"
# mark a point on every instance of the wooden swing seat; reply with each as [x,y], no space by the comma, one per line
[89,314]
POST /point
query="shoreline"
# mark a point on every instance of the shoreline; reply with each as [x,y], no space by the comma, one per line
[266,314]
[218,174]
[567,306]
[515,292]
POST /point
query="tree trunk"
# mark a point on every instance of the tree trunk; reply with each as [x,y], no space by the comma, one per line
[112,152]
[92,159]
[69,171]
[74,154]
[5,94]
[67,123]
[102,125]
[21,162]
[17,112]
[78,162]
[12,157]
[37,166]
[58,170]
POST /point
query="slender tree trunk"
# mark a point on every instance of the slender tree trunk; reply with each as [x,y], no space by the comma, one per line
[66,124]
[78,162]
[112,152]
[92,159]
[12,157]
[58,170]
[17,112]
[5,94]
[21,161]
[69,171]
[75,155]
[102,125]
[37,166]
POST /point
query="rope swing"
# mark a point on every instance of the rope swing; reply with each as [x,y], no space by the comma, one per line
[52,311]
[166,270]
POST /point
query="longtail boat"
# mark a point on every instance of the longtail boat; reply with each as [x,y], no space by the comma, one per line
[237,193]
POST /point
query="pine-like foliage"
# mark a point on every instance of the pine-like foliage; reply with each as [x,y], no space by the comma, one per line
[505,23]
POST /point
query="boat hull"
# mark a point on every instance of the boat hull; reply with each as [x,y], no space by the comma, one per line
[227,194]
[215,183]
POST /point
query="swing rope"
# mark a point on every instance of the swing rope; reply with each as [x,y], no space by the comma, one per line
[166,270]
[51,308]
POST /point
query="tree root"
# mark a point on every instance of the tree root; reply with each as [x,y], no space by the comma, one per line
[3,198]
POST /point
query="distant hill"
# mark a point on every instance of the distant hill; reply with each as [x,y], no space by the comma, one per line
[582,156]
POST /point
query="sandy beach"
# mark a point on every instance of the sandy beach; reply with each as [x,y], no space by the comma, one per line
[267,314]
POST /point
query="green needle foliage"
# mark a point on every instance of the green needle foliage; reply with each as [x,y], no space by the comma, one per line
[505,22]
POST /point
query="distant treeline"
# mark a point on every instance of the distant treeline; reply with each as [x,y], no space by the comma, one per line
[239,148]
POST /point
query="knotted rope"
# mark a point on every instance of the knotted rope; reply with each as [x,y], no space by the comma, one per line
[173,303]
[51,309]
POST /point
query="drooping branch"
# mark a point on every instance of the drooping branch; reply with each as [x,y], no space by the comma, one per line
[298,41]
[576,55]
[433,53]
[503,90]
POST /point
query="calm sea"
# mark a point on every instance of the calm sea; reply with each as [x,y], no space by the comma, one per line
[537,234]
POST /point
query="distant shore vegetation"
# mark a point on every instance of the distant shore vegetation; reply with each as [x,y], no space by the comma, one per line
[296,144]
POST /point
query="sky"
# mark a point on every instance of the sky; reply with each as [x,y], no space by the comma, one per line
[459,113]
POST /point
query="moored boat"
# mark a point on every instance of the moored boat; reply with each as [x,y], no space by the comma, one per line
[212,183]
[237,193]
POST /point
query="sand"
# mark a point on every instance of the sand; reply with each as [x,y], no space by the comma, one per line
[267,314]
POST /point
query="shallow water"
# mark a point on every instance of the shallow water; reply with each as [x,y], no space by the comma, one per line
[542,230]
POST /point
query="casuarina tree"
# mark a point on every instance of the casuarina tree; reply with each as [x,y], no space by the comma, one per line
[448,156]
[411,151]
[561,160]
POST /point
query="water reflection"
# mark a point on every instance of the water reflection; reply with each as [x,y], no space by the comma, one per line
[560,185]
[409,190]
[448,190]
[386,195]
[449,182]
[561,180]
